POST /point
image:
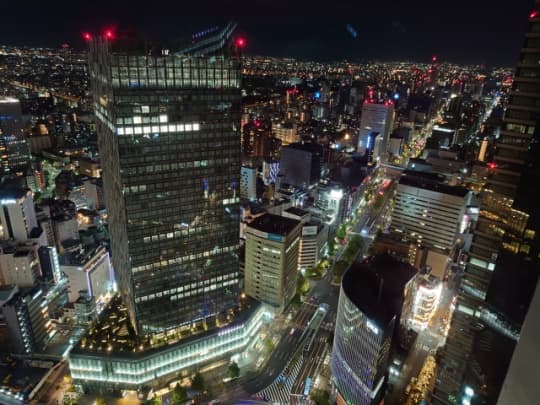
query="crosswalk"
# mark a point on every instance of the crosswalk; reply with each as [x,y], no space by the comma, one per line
[279,392]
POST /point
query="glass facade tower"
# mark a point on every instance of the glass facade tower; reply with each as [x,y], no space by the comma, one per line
[503,264]
[168,133]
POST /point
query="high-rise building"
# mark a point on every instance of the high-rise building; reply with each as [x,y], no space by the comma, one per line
[17,214]
[376,124]
[272,245]
[428,211]
[169,143]
[168,124]
[27,318]
[301,164]
[370,304]
[15,156]
[503,265]
[248,183]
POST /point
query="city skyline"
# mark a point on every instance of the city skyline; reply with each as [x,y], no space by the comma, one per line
[483,32]
[182,219]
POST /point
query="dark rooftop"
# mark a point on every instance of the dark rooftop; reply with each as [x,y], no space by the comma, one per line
[11,190]
[271,223]
[297,211]
[376,286]
[430,181]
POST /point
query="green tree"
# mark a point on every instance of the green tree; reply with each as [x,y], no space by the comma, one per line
[197,382]
[179,395]
[341,232]
[302,284]
[233,371]
[269,344]
[296,302]
[320,397]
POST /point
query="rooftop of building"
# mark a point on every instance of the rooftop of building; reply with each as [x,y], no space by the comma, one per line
[431,181]
[80,257]
[12,190]
[276,224]
[210,41]
[113,335]
[299,212]
[376,286]
[428,280]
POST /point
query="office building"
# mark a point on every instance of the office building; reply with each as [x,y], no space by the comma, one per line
[248,183]
[428,211]
[313,243]
[168,123]
[15,156]
[162,160]
[19,263]
[370,304]
[88,270]
[313,239]
[25,312]
[376,124]
[50,266]
[330,199]
[272,246]
[287,133]
[300,164]
[17,213]
[64,222]
[503,262]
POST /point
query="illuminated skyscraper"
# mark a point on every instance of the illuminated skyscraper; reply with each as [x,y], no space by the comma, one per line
[168,131]
[370,304]
[14,153]
[502,269]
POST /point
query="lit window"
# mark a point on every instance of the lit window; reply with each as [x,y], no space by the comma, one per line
[163,118]
[137,120]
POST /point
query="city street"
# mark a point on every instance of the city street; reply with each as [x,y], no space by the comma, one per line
[427,341]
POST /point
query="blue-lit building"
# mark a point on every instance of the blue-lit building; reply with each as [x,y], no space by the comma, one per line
[370,303]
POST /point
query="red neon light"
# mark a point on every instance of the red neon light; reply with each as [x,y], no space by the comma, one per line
[87,36]
[533,14]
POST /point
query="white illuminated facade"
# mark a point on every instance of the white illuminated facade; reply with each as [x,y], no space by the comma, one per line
[17,214]
[126,370]
[426,300]
[330,199]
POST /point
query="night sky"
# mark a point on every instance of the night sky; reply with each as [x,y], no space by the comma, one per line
[463,31]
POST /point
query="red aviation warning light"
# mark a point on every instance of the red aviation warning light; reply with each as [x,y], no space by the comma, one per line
[434,58]
[533,14]
[240,42]
[87,36]
[492,165]
[109,34]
